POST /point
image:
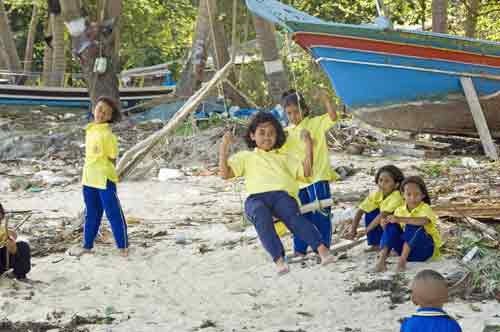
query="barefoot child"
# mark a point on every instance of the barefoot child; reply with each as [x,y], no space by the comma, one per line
[100,178]
[379,204]
[271,181]
[430,293]
[317,186]
[19,252]
[411,231]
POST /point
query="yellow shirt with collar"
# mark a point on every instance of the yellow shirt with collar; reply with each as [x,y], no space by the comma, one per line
[423,210]
[317,126]
[376,200]
[266,171]
[101,146]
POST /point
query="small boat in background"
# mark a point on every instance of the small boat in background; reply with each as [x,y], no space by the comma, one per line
[398,79]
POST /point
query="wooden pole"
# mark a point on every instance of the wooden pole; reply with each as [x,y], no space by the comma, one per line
[477,113]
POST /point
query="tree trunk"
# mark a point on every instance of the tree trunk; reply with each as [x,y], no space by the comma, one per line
[471,18]
[440,16]
[3,57]
[194,69]
[8,43]
[47,53]
[58,52]
[28,54]
[275,71]
[99,84]
[221,54]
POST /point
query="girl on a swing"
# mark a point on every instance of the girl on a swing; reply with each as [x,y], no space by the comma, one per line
[271,181]
[317,186]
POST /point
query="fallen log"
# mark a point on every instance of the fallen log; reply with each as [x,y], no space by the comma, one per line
[481,210]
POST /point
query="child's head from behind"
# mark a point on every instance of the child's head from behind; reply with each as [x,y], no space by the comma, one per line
[105,110]
[415,191]
[389,178]
[429,289]
[295,106]
[265,132]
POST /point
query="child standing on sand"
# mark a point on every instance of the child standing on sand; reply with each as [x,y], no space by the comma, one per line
[18,251]
[430,293]
[317,186]
[412,230]
[379,204]
[99,178]
[271,181]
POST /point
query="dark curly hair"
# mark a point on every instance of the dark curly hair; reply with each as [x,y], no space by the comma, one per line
[115,114]
[396,174]
[421,184]
[294,98]
[2,212]
[260,118]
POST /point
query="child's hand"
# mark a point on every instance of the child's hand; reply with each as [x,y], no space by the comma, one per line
[392,219]
[305,135]
[228,139]
[11,245]
[353,234]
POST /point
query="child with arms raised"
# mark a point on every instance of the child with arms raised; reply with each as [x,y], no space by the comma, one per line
[430,293]
[99,178]
[317,186]
[271,181]
[412,230]
[379,204]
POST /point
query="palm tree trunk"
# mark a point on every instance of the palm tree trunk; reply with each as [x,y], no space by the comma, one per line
[275,71]
[440,16]
[471,18]
[8,43]
[28,54]
[58,52]
[47,54]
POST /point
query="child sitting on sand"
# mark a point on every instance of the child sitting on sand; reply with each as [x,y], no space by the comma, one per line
[99,178]
[412,230]
[379,204]
[317,187]
[271,181]
[430,293]
[19,257]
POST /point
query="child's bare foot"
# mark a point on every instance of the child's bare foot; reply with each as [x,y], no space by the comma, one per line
[282,266]
[326,255]
[123,252]
[380,267]
[401,266]
[78,251]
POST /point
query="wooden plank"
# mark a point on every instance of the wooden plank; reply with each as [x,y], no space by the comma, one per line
[477,113]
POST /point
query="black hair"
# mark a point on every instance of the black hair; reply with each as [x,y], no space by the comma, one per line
[115,109]
[421,184]
[2,212]
[430,275]
[294,98]
[260,118]
[396,174]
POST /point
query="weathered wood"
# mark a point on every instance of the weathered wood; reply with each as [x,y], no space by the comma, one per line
[28,54]
[440,16]
[7,41]
[347,245]
[477,210]
[133,156]
[485,229]
[477,113]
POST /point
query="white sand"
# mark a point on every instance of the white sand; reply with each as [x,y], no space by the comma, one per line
[172,287]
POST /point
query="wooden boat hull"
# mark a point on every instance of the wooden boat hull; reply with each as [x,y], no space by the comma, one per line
[398,79]
[73,97]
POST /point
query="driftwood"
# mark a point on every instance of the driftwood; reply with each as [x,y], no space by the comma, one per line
[485,229]
[133,156]
[467,209]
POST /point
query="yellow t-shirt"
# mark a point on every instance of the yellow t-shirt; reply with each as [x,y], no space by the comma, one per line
[3,236]
[423,210]
[101,145]
[266,171]
[376,200]
[317,126]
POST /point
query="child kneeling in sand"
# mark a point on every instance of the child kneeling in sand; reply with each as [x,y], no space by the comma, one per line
[18,251]
[412,230]
[271,180]
[379,204]
[430,293]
